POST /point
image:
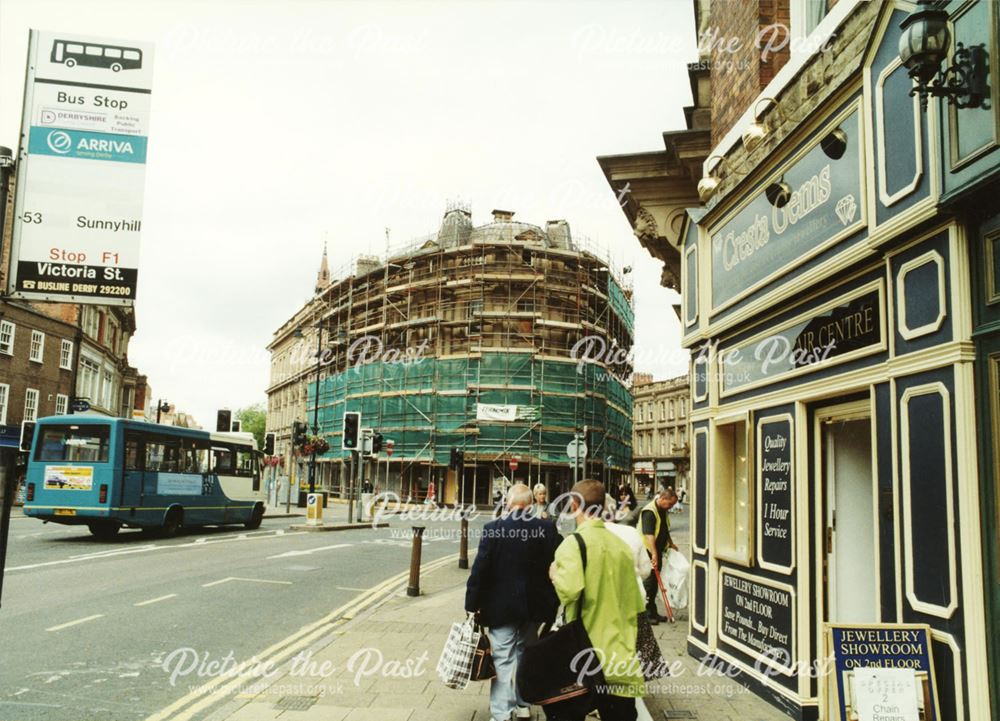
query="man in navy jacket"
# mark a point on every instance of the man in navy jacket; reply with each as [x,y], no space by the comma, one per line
[510,588]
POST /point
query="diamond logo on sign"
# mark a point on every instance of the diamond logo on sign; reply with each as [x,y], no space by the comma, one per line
[847,209]
[59,142]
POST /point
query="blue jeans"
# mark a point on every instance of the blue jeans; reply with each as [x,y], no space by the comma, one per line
[508,645]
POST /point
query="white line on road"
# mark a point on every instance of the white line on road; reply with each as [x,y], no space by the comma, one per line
[248,580]
[289,554]
[156,600]
[198,543]
[348,588]
[60,627]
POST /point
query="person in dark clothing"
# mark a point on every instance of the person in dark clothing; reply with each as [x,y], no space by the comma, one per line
[654,524]
[509,587]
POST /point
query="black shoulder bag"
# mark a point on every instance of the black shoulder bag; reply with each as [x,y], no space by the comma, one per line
[545,673]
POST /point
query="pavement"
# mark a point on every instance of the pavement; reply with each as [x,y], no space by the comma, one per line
[380,665]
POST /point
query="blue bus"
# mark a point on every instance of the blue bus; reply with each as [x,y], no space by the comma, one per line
[108,473]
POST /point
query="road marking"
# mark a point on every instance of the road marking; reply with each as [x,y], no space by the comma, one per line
[198,543]
[348,588]
[208,693]
[156,600]
[248,580]
[289,554]
[60,627]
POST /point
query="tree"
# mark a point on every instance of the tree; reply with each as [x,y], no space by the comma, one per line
[253,419]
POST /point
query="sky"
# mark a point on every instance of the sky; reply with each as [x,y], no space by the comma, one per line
[281,125]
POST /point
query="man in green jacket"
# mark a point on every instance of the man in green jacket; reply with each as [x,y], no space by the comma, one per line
[612,602]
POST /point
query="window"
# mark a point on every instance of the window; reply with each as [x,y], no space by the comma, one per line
[66,355]
[73,48]
[89,379]
[133,452]
[222,460]
[4,393]
[194,457]
[244,461]
[163,455]
[31,404]
[62,404]
[6,337]
[670,410]
[36,353]
[732,492]
[107,389]
[131,55]
[93,50]
[73,443]
[112,53]
[806,16]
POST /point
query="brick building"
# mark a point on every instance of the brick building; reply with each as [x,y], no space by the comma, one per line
[37,366]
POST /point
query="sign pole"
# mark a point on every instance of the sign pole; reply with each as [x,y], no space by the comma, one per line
[7,489]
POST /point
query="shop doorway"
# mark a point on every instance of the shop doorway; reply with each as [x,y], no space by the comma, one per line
[849,547]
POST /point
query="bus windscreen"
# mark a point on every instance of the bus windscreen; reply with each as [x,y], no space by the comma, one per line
[73,443]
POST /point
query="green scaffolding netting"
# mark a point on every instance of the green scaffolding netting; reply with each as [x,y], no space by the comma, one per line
[429,407]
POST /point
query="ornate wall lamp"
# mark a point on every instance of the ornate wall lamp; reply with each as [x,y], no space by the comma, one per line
[709,182]
[759,129]
[924,45]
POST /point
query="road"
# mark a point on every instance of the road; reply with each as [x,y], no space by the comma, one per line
[86,625]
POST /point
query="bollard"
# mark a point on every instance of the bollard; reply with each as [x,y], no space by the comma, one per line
[413,589]
[463,544]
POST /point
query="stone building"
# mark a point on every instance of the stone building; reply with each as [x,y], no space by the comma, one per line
[660,451]
[836,251]
[500,340]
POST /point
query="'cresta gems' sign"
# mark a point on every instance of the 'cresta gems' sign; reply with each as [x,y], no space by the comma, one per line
[761,238]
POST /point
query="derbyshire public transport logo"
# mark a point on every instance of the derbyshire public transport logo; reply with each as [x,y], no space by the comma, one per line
[59,142]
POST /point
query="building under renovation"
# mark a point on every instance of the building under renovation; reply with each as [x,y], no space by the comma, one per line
[502,340]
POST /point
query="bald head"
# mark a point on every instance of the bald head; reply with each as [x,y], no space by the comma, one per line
[519,496]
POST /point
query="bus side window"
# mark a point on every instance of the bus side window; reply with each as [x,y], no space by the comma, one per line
[222,460]
[194,458]
[244,462]
[155,456]
[256,470]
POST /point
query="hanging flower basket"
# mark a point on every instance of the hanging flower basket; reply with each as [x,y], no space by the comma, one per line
[317,445]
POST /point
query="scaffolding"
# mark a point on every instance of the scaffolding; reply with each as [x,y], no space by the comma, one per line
[494,314]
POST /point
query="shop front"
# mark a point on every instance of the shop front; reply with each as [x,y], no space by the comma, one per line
[837,305]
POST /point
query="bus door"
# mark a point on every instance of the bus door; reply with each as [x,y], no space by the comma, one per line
[129,493]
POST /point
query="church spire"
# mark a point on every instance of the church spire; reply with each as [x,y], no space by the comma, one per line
[323,277]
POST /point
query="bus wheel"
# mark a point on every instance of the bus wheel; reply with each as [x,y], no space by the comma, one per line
[103,531]
[70,63]
[172,524]
[256,516]
[115,67]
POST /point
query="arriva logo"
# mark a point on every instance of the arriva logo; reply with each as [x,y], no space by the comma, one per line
[105,146]
[59,142]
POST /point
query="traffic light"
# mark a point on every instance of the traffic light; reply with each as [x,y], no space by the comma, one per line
[352,429]
[298,433]
[268,444]
[457,458]
[377,443]
[224,421]
[27,433]
[237,426]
